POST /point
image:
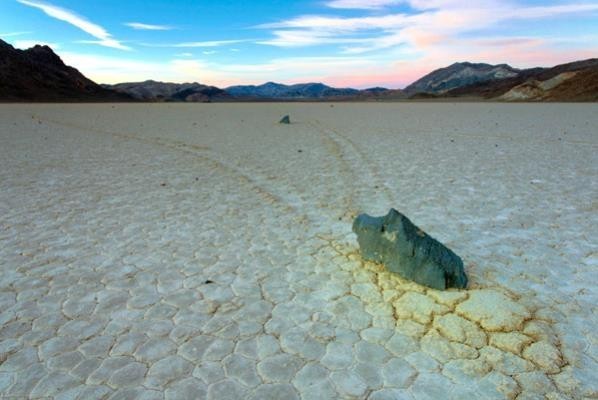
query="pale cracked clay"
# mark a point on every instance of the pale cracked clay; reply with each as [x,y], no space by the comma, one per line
[405,249]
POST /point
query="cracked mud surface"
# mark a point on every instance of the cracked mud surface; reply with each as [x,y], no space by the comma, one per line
[192,251]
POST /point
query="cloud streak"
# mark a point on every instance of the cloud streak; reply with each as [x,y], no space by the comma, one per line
[148,27]
[198,44]
[301,38]
[362,4]
[209,43]
[104,38]
[10,34]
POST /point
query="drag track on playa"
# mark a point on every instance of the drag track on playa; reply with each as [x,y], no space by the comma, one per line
[170,251]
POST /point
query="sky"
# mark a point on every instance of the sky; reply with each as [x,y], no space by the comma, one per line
[343,43]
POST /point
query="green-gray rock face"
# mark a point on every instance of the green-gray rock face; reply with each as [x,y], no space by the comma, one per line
[285,120]
[405,249]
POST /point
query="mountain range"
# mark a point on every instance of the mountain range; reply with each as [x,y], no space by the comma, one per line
[38,74]
[273,90]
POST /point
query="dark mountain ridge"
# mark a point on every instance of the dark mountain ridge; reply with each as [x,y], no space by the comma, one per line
[38,74]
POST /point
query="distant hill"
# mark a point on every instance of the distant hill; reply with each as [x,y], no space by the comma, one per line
[38,74]
[380,94]
[376,90]
[278,91]
[164,91]
[458,75]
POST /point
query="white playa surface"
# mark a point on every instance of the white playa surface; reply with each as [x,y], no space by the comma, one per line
[205,251]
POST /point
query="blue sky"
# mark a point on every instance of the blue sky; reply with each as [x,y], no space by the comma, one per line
[359,43]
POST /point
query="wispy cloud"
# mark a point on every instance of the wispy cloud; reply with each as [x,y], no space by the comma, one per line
[336,24]
[11,34]
[380,4]
[104,38]
[551,11]
[199,44]
[103,43]
[362,4]
[148,27]
[300,38]
[209,43]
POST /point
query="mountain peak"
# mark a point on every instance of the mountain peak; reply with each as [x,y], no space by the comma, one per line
[4,45]
[45,54]
[42,47]
[460,74]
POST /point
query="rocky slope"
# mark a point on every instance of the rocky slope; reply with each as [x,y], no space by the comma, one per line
[38,74]
[583,86]
[576,81]
[534,89]
[458,75]
[164,91]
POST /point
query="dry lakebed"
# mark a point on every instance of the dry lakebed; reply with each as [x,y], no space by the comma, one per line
[191,251]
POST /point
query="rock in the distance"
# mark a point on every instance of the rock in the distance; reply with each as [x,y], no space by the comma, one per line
[405,249]
[285,120]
